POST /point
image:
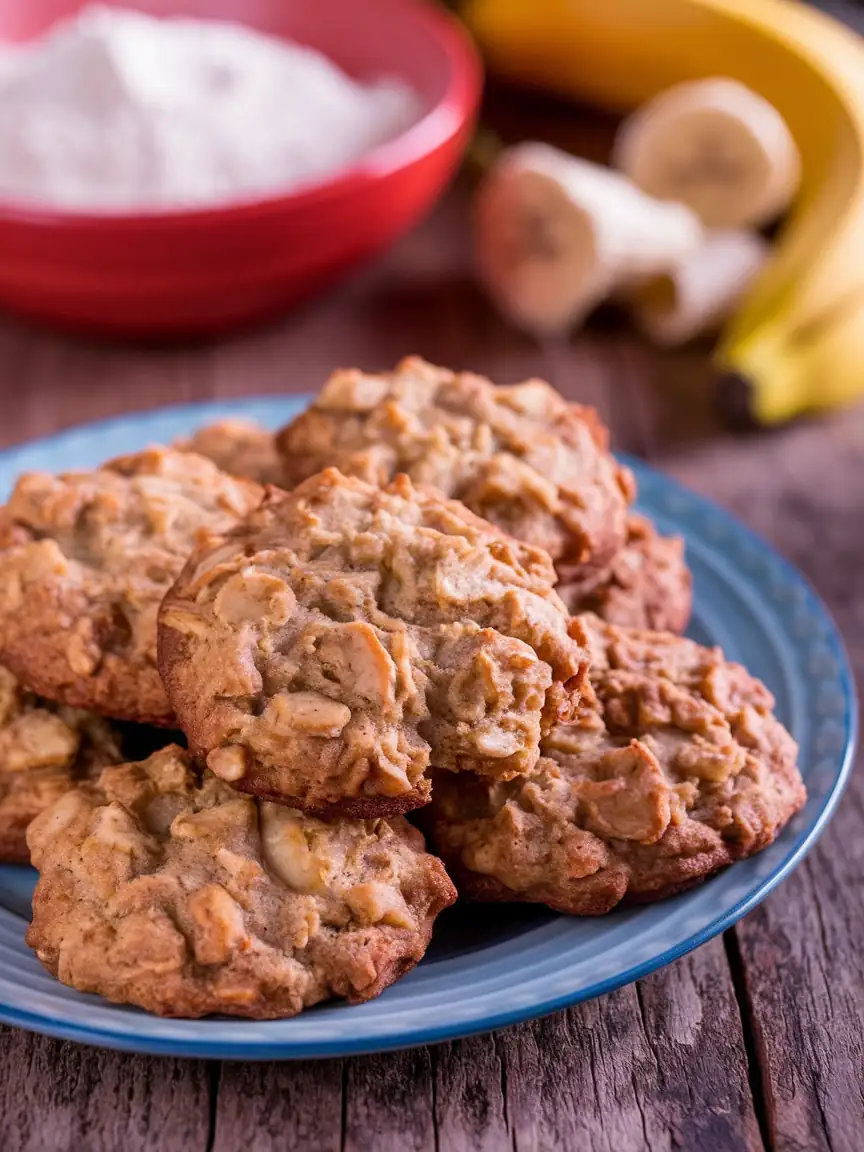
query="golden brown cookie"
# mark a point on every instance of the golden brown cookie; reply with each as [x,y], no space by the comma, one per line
[520,456]
[85,559]
[676,769]
[175,893]
[45,749]
[647,585]
[239,447]
[344,637]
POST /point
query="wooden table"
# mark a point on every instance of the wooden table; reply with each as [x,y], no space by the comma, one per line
[754,1041]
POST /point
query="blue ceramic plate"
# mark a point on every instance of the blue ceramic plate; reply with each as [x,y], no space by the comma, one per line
[497,965]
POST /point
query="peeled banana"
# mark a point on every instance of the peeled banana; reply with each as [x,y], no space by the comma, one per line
[698,293]
[797,340]
[716,146]
[556,235]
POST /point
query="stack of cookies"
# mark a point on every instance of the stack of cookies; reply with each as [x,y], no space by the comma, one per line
[426,595]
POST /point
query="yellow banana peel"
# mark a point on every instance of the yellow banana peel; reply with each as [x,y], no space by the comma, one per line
[820,367]
[619,53]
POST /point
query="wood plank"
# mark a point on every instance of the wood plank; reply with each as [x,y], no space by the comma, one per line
[471,1095]
[804,971]
[802,950]
[61,1097]
[659,1066]
[692,1024]
[389,1103]
[291,1107]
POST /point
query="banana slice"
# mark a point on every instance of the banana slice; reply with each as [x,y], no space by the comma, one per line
[556,235]
[715,145]
[701,291]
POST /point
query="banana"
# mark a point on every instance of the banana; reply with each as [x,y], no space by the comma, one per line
[823,368]
[715,145]
[697,295]
[556,235]
[620,53]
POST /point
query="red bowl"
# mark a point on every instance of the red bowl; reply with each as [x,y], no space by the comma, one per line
[172,273]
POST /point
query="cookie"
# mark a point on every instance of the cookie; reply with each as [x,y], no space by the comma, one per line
[239,447]
[345,636]
[519,456]
[677,768]
[85,559]
[648,584]
[164,889]
[45,749]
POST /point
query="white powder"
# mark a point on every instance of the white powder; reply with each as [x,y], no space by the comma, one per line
[116,110]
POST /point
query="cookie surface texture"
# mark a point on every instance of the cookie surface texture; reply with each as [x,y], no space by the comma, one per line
[520,455]
[239,447]
[346,637]
[677,768]
[165,889]
[648,584]
[45,750]
[85,559]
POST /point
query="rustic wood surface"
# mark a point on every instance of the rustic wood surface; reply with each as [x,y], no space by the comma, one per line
[755,1041]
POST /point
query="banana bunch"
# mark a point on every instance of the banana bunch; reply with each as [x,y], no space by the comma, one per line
[796,341]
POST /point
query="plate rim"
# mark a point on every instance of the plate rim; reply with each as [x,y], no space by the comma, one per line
[420,1034]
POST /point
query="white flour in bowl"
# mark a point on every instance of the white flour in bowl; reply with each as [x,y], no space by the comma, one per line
[115,110]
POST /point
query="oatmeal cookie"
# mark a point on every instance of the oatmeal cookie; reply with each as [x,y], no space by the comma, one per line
[85,559]
[239,447]
[677,768]
[45,749]
[519,456]
[171,891]
[648,584]
[345,636]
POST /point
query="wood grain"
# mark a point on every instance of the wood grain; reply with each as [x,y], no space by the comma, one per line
[658,1065]
[59,1097]
[279,1107]
[471,1093]
[389,1103]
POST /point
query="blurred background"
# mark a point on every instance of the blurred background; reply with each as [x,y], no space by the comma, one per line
[685,251]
